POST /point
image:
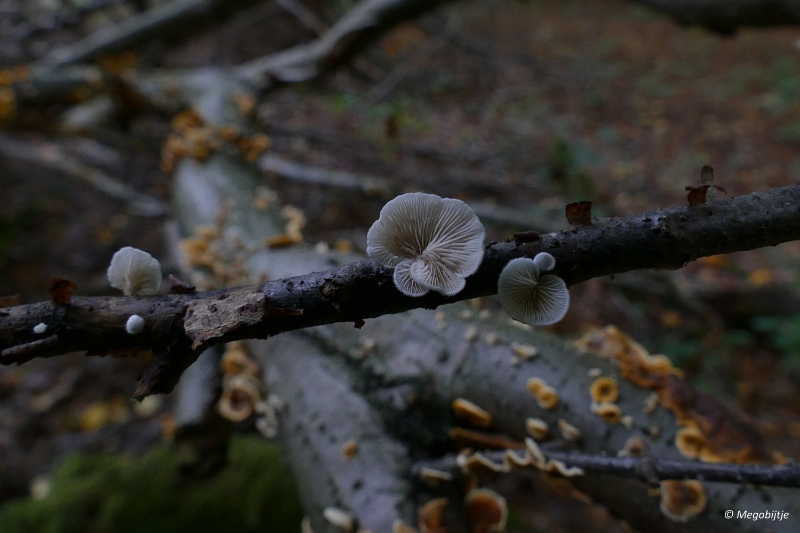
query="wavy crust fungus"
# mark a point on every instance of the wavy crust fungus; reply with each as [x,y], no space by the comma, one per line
[682,499]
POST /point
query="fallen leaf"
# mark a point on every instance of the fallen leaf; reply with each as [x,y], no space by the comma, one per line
[61,290]
[180,286]
[579,213]
[697,195]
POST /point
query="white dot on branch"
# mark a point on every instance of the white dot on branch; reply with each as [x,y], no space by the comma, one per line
[134,325]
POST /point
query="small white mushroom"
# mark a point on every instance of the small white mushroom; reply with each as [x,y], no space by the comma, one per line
[135,272]
[40,328]
[134,325]
[339,518]
[530,297]
[433,243]
[544,261]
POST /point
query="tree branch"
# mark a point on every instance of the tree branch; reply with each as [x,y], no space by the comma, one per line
[352,32]
[162,20]
[666,238]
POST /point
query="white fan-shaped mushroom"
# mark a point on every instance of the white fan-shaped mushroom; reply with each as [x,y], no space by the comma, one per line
[135,272]
[433,243]
[529,297]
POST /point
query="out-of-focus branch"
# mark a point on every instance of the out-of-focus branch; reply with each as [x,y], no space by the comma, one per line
[308,18]
[51,156]
[162,20]
[328,178]
[346,37]
[725,16]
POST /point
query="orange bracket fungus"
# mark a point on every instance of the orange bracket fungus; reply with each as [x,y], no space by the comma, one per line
[536,428]
[604,390]
[487,511]
[433,243]
[546,396]
[609,412]
[568,431]
[430,516]
[682,499]
[472,413]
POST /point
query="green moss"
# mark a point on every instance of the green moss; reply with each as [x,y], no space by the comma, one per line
[107,493]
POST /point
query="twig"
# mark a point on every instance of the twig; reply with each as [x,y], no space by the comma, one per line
[375,185]
[307,17]
[329,178]
[29,350]
[412,63]
[653,470]
[49,155]
[345,38]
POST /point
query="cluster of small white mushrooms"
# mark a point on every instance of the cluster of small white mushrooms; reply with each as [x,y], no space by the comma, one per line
[530,297]
[433,243]
[135,273]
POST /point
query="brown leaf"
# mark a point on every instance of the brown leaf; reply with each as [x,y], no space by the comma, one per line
[180,286]
[697,195]
[61,290]
[579,213]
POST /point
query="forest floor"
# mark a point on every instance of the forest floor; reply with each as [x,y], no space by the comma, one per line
[526,107]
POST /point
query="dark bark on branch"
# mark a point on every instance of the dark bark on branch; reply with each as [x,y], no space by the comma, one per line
[651,470]
[725,16]
[666,238]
